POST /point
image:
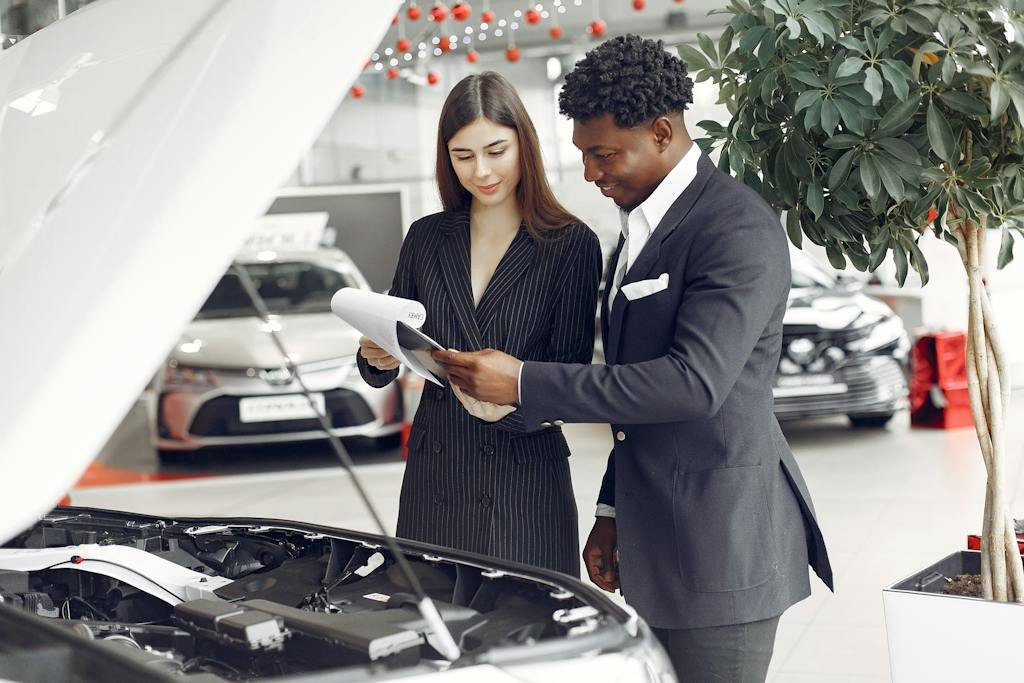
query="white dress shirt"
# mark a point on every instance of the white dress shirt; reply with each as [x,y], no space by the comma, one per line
[637,227]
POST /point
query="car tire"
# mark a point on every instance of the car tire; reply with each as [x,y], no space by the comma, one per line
[870,421]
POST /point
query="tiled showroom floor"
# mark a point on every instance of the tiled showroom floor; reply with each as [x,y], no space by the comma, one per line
[890,502]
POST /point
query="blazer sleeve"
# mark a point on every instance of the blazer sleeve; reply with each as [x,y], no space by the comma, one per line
[403,285]
[572,327]
[606,495]
[740,278]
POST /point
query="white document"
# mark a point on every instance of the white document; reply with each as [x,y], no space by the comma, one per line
[393,323]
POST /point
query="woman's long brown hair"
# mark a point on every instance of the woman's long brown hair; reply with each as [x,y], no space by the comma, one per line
[489,95]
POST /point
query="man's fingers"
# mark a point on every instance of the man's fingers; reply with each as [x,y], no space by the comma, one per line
[452,358]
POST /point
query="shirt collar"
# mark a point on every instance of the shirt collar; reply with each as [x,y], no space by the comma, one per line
[668,190]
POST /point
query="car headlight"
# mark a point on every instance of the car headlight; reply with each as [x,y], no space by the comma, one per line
[178,376]
[883,333]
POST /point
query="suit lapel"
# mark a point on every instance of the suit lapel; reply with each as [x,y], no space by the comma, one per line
[510,270]
[610,346]
[651,252]
[453,258]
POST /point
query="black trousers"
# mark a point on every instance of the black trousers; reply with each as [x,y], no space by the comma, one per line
[738,653]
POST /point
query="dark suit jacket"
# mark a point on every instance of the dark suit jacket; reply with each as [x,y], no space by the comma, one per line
[715,523]
[493,488]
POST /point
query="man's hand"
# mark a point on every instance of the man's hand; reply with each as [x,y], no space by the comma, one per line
[487,375]
[376,356]
[601,554]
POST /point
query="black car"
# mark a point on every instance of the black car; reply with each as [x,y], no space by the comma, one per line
[843,353]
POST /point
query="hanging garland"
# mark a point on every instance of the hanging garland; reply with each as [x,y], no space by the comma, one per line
[433,38]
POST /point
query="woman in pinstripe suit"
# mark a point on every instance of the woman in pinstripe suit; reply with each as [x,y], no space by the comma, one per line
[503,266]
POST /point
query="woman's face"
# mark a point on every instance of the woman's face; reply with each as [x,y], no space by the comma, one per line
[485,157]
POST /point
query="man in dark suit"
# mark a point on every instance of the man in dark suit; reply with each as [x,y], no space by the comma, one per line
[703,516]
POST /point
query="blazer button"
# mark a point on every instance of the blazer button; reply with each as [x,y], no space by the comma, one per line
[485,500]
[436,447]
[487,449]
[545,424]
[559,423]
[438,499]
[439,394]
[621,436]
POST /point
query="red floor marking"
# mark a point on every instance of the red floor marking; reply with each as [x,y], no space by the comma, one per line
[99,474]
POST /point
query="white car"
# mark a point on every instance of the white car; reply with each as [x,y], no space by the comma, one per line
[225,383]
[141,140]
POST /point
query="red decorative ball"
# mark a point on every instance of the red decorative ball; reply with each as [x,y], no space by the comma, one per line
[638,5]
[533,17]
[932,214]
[403,45]
[555,32]
[358,91]
[512,54]
[461,11]
[472,56]
[394,20]
[597,27]
[392,73]
[445,44]
[433,78]
[439,12]
[679,2]
[367,63]
[487,17]
[414,12]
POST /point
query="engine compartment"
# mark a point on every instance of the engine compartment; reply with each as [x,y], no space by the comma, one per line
[281,599]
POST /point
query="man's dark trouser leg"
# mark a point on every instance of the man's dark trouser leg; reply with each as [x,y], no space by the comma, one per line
[721,654]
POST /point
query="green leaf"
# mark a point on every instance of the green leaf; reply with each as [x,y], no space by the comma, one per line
[900,256]
[851,115]
[878,253]
[809,78]
[695,61]
[1005,248]
[752,37]
[873,84]
[899,83]
[796,236]
[725,42]
[806,99]
[708,46]
[948,69]
[898,148]
[917,260]
[869,176]
[843,141]
[835,257]
[898,119]
[963,102]
[850,66]
[815,199]
[1000,99]
[940,135]
[841,170]
[829,117]
[890,178]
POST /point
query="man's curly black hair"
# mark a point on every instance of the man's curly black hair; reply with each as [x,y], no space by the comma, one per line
[632,78]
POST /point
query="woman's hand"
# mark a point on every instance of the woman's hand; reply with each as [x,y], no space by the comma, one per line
[488,412]
[376,356]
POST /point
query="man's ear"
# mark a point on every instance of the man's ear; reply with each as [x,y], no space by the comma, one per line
[663,131]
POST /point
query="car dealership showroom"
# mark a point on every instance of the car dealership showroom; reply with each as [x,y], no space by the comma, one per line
[512,340]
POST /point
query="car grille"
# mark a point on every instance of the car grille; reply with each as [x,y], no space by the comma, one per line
[219,417]
[875,384]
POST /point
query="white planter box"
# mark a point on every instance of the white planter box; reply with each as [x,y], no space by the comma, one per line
[934,638]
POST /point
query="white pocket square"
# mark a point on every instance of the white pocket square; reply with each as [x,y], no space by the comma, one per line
[642,288]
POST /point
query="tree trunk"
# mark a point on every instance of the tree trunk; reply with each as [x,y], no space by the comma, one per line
[988,383]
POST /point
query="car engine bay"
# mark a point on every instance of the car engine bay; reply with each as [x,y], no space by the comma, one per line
[243,599]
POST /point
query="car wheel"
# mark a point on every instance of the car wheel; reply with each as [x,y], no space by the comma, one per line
[870,421]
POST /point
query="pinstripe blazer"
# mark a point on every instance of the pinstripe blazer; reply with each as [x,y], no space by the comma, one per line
[493,488]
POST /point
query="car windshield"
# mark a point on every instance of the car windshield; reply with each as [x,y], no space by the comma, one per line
[288,288]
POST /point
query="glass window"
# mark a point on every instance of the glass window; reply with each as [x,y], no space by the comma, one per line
[287,288]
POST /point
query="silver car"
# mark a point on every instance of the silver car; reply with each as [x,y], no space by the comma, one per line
[225,384]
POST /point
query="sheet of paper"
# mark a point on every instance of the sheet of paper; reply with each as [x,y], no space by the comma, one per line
[377,316]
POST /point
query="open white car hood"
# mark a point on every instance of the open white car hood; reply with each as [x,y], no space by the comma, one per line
[138,143]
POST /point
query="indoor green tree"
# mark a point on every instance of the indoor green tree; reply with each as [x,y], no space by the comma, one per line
[869,122]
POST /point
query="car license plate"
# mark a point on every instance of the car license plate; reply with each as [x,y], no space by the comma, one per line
[283,407]
[808,385]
